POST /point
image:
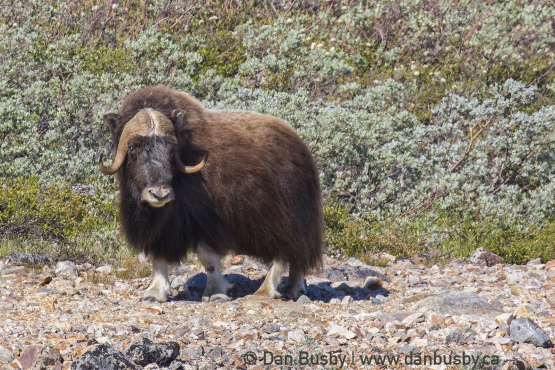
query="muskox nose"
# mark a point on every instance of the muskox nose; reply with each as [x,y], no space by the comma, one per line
[159,193]
[157,196]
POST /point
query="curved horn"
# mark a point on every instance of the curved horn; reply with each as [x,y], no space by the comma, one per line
[139,125]
[190,169]
[120,156]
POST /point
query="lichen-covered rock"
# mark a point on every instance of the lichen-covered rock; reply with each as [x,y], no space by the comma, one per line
[180,365]
[409,350]
[413,319]
[105,270]
[146,352]
[103,357]
[271,328]
[341,331]
[193,353]
[178,282]
[297,336]
[13,270]
[303,299]
[29,259]
[50,355]
[350,273]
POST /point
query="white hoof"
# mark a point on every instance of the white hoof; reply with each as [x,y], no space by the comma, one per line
[216,287]
[155,296]
[157,293]
[271,282]
[270,293]
[219,297]
[160,289]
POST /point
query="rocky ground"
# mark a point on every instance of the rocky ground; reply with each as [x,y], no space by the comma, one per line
[353,315]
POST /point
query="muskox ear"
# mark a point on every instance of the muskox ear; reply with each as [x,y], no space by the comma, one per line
[178,116]
[112,120]
[182,128]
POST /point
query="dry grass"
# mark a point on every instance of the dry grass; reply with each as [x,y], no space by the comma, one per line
[129,267]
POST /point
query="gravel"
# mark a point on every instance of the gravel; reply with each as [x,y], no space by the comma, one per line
[350,309]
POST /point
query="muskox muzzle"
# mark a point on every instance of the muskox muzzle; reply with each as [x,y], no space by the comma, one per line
[157,196]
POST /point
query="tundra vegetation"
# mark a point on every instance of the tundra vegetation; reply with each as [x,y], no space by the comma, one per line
[432,122]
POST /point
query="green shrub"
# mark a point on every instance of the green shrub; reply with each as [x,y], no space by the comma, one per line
[52,212]
[515,244]
[345,236]
[56,219]
[432,124]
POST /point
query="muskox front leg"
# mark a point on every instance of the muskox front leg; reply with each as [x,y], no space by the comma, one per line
[216,284]
[160,289]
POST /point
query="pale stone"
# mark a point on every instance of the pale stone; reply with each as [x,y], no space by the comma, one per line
[297,336]
[536,261]
[105,270]
[483,256]
[6,356]
[341,331]
[346,301]
[335,301]
[414,319]
[524,310]
[390,327]
[504,321]
[66,270]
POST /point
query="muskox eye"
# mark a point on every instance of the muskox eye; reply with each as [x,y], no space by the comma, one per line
[131,148]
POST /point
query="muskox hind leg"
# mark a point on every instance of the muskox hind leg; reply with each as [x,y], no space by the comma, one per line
[295,285]
[160,289]
[216,284]
[271,283]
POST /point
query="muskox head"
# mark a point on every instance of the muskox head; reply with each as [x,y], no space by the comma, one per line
[149,144]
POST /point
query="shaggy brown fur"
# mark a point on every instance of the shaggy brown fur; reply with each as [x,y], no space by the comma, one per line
[258,194]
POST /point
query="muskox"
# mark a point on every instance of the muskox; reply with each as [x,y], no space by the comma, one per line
[214,182]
